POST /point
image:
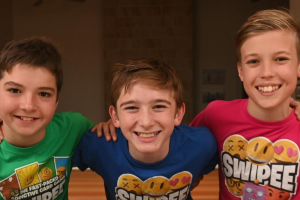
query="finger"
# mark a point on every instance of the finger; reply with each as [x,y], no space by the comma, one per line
[113,133]
[298,116]
[106,132]
[95,128]
[294,103]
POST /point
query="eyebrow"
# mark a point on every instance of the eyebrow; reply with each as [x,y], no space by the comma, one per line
[275,53]
[249,55]
[155,101]
[284,52]
[11,83]
[47,88]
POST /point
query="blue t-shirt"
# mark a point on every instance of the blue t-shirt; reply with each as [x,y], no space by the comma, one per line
[193,152]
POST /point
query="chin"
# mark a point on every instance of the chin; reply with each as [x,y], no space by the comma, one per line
[147,150]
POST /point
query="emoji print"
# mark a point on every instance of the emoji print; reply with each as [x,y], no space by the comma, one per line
[276,194]
[235,186]
[260,151]
[236,146]
[156,186]
[180,181]
[130,183]
[254,192]
[285,151]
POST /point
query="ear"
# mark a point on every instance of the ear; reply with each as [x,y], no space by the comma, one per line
[56,103]
[114,116]
[179,115]
[240,71]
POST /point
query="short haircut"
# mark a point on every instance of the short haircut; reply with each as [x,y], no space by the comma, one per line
[267,20]
[37,52]
[153,72]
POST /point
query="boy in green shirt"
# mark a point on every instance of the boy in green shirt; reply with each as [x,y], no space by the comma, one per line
[35,154]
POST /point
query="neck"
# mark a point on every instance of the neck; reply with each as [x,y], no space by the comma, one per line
[150,156]
[22,140]
[269,114]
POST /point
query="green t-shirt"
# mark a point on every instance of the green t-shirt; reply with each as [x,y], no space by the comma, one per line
[42,171]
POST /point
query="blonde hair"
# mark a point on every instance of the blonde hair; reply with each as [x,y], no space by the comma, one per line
[267,20]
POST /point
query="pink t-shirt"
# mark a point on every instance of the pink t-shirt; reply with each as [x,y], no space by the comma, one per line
[258,159]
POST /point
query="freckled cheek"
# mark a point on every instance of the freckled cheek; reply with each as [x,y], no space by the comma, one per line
[289,76]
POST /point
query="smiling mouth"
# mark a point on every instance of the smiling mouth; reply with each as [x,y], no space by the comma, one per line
[147,135]
[268,89]
[26,118]
[256,160]
[154,195]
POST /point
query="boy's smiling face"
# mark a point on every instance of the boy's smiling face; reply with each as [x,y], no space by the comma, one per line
[147,117]
[269,69]
[28,100]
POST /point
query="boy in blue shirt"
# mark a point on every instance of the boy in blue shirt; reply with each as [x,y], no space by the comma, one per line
[154,157]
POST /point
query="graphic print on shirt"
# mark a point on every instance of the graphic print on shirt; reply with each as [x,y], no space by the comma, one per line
[158,187]
[259,169]
[36,181]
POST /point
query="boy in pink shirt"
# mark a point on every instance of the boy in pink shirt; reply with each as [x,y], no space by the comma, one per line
[258,138]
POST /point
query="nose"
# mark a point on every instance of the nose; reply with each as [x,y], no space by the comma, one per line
[28,102]
[267,70]
[146,119]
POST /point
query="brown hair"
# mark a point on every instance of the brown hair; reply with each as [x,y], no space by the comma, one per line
[152,72]
[36,52]
[267,20]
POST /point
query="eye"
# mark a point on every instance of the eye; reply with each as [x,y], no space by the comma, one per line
[131,108]
[253,61]
[14,90]
[260,193]
[44,94]
[281,59]
[159,107]
[249,190]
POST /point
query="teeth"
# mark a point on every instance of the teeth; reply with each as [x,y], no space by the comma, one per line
[268,88]
[27,118]
[147,135]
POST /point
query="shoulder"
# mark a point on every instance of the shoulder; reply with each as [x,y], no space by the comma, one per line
[189,129]
[198,140]
[71,118]
[68,116]
[71,123]
[225,104]
[219,109]
[200,133]
[90,142]
[92,137]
